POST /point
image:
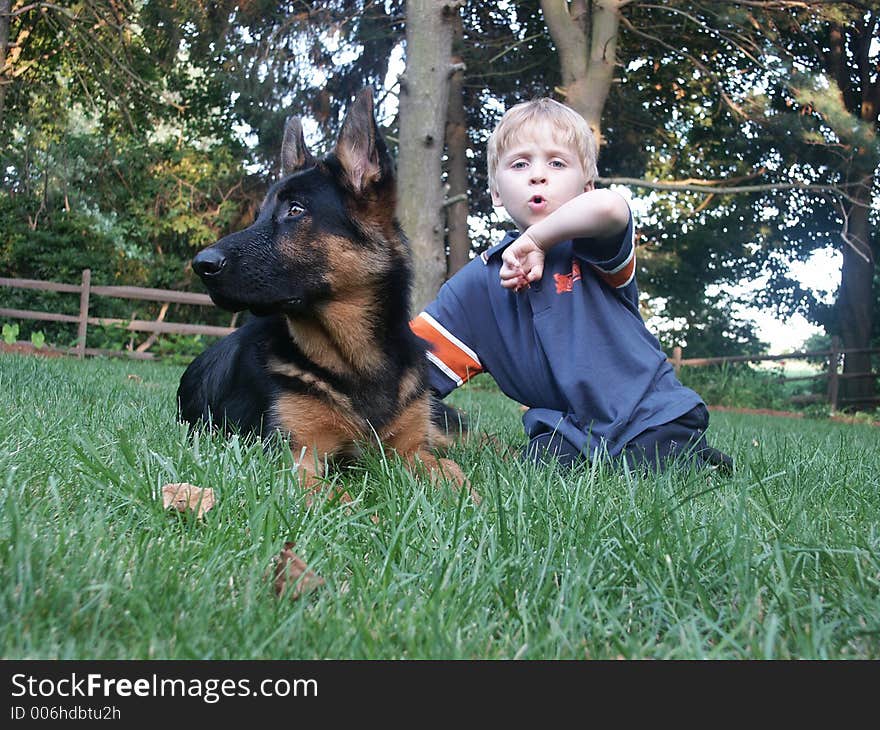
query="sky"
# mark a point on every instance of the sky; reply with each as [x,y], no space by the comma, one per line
[821,274]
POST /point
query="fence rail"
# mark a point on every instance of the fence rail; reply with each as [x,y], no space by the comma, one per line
[83,320]
[169,296]
[833,374]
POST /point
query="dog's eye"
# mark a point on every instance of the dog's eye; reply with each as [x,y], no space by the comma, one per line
[295,210]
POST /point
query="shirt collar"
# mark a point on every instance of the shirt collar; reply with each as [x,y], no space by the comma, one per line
[509,238]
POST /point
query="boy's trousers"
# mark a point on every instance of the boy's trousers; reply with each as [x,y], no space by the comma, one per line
[680,441]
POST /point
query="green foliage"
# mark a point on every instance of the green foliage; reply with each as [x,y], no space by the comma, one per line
[38,339]
[110,337]
[706,327]
[818,343]
[741,385]
[10,333]
[179,349]
[737,385]
[61,246]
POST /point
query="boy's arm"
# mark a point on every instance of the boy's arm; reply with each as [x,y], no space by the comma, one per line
[596,214]
[444,325]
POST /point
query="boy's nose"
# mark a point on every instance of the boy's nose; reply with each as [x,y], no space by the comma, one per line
[538,176]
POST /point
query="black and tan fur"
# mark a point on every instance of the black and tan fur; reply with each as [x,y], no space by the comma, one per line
[329,360]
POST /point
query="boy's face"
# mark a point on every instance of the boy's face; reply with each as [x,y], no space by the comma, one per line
[536,174]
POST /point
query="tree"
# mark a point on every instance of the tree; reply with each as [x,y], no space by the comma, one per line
[423,102]
[585,34]
[844,39]
[113,155]
[809,137]
[456,203]
[5,7]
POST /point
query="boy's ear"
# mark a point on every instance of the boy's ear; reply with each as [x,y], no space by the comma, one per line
[496,198]
[589,185]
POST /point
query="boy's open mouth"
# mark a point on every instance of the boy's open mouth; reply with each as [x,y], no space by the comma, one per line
[537,202]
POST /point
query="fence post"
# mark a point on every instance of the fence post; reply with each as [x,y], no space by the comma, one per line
[676,359]
[833,380]
[83,313]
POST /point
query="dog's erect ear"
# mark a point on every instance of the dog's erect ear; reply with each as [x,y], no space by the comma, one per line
[360,149]
[294,153]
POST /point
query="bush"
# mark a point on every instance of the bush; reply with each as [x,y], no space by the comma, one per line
[739,385]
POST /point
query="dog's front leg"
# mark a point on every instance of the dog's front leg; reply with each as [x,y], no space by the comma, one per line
[408,435]
[310,463]
[317,432]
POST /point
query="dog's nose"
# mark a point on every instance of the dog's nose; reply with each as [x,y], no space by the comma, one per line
[209,262]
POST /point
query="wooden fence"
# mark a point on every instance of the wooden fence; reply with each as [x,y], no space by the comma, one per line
[167,297]
[833,374]
[86,291]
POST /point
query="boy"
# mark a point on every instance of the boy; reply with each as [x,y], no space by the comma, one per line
[552,310]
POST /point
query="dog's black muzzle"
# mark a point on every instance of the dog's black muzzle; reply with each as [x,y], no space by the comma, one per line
[231,291]
[209,262]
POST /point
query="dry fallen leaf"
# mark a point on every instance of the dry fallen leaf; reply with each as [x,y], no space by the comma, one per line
[187,498]
[292,575]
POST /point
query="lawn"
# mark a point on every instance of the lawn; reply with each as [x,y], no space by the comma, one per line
[782,560]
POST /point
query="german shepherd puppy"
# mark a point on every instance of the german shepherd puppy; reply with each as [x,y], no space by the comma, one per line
[329,360]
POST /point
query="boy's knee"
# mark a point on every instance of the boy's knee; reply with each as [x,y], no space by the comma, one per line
[680,442]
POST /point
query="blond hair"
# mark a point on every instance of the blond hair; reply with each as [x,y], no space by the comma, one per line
[572,128]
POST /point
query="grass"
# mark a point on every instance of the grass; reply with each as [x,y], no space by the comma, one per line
[780,561]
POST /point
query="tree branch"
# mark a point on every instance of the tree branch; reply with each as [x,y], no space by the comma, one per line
[748,53]
[731,104]
[689,186]
[796,4]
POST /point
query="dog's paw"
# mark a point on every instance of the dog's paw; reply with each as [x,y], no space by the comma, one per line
[452,473]
[441,471]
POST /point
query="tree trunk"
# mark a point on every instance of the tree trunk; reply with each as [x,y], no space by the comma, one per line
[855,299]
[855,311]
[456,161]
[423,101]
[585,36]
[5,6]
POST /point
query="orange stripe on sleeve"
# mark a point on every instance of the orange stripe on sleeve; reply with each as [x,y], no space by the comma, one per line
[447,352]
[622,275]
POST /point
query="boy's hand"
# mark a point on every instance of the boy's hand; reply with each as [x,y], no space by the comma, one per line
[522,263]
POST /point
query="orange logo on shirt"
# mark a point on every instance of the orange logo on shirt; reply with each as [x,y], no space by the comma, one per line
[565,282]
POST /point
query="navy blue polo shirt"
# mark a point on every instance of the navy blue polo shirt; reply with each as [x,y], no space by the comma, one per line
[572,346]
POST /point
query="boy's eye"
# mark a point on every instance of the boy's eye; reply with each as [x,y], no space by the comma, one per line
[557,163]
[519,165]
